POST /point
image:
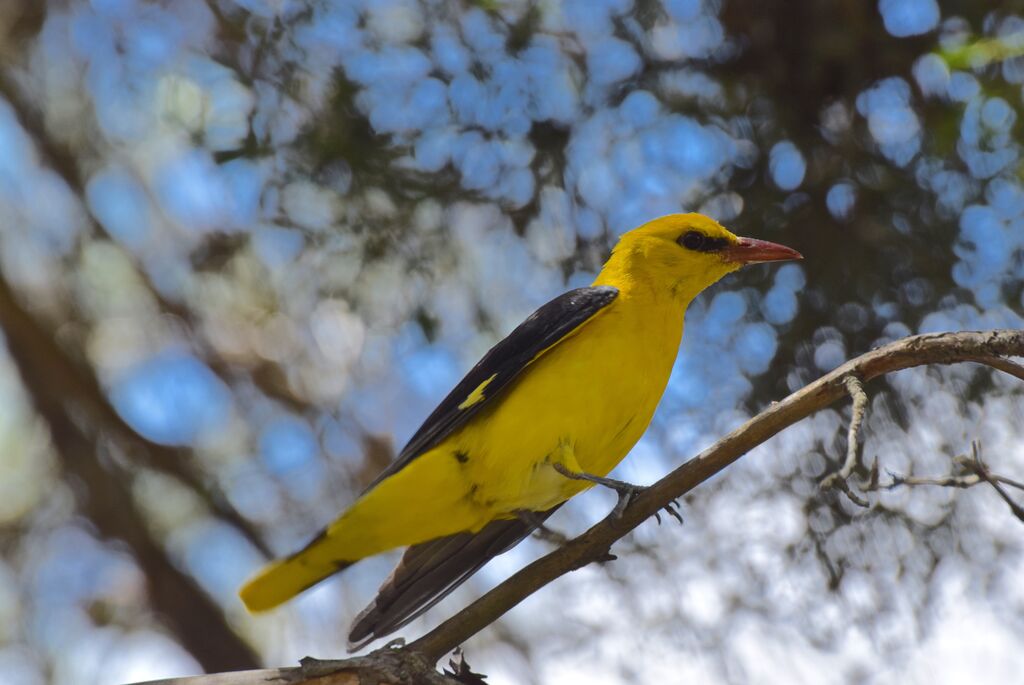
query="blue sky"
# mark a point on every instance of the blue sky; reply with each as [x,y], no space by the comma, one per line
[157,112]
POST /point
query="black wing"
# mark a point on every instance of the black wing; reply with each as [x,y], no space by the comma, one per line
[429,571]
[501,365]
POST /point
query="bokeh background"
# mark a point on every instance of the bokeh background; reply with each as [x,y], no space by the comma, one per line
[246,245]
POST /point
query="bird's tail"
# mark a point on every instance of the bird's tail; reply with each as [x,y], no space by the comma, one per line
[410,507]
[283,579]
[429,571]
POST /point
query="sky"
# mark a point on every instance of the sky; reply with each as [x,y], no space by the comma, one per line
[182,141]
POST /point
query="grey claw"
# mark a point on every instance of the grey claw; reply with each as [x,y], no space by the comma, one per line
[671,509]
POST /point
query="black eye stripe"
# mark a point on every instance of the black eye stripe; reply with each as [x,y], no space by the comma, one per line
[695,240]
[692,240]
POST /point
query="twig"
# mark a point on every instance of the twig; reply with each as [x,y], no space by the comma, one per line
[841,479]
[949,481]
[385,666]
[1004,365]
[541,530]
[978,472]
[942,348]
[860,404]
[1008,481]
[935,348]
[979,468]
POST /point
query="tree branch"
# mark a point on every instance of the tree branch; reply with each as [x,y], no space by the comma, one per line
[944,348]
[386,666]
[940,348]
[973,471]
[62,399]
[979,468]
[77,377]
[1004,365]
[841,478]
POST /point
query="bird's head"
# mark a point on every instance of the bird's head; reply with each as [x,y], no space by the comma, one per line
[682,254]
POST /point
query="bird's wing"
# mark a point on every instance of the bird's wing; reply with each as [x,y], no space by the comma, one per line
[543,329]
[429,571]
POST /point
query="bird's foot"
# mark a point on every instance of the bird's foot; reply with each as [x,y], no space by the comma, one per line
[541,530]
[672,509]
[627,492]
[627,495]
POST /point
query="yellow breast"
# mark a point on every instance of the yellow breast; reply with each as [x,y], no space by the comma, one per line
[592,395]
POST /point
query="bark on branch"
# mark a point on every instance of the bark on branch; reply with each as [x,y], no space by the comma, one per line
[989,347]
[841,478]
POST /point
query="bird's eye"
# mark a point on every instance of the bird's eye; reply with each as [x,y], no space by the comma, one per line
[692,240]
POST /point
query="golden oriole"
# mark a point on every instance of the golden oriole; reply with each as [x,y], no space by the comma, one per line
[567,393]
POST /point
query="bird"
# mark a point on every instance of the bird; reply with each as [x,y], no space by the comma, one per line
[547,412]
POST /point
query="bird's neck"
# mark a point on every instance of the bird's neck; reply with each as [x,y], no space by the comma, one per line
[632,274]
[616,274]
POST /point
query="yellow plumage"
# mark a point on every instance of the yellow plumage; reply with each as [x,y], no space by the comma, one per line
[583,402]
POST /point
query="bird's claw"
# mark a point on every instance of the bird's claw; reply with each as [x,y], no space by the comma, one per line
[672,509]
[542,531]
[627,493]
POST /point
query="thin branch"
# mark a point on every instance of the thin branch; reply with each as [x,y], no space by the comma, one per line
[981,470]
[860,405]
[948,481]
[106,498]
[1005,365]
[977,472]
[938,348]
[595,543]
[265,676]
[1008,481]
[386,666]
[841,478]
[77,376]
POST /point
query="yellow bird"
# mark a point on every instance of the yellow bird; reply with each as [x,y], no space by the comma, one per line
[546,413]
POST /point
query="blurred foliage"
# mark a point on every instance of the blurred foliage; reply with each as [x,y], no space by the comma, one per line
[247,244]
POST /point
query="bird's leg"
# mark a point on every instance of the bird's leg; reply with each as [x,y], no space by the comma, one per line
[530,518]
[626,491]
[563,460]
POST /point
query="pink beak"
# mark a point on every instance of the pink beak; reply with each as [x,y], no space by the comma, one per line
[752,251]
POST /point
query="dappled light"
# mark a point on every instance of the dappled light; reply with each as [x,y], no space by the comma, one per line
[247,246]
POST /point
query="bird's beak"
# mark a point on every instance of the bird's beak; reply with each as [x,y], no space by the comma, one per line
[751,251]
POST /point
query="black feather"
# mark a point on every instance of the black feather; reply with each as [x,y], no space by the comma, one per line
[430,571]
[505,361]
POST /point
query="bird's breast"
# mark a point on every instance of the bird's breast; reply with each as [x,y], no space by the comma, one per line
[593,394]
